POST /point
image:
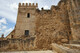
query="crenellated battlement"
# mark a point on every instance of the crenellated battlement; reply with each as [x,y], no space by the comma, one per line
[28,5]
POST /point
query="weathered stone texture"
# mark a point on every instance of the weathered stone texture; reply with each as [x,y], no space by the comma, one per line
[17,44]
[72,46]
[53,26]
[60,24]
[73,8]
[62,49]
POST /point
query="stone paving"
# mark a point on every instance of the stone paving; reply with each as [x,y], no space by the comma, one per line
[29,52]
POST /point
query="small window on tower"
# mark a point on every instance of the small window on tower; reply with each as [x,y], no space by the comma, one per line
[26,32]
[28,15]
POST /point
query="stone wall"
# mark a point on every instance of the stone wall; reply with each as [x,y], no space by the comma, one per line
[53,26]
[73,8]
[17,44]
[60,24]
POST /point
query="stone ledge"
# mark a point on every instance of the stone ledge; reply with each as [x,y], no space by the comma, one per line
[62,49]
[75,42]
[73,46]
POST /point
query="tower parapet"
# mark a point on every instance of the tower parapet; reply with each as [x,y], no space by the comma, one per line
[28,5]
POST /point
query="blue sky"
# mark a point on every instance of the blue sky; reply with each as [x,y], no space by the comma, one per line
[8,12]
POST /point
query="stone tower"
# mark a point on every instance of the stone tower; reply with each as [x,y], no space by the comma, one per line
[25,25]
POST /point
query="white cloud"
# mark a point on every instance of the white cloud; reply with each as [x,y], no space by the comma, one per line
[0,23]
[3,20]
[9,16]
[1,32]
[0,29]
[55,2]
[14,7]
[46,7]
[8,10]
[27,1]
[4,27]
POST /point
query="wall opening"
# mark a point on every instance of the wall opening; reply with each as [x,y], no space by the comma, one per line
[28,15]
[11,36]
[70,32]
[26,32]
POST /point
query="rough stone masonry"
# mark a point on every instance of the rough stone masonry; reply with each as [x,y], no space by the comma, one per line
[60,24]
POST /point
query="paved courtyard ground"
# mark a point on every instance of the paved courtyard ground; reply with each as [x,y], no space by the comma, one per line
[30,52]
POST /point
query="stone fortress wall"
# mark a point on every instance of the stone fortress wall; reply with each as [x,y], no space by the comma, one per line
[60,24]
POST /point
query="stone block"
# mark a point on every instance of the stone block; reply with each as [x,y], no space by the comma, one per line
[64,40]
[62,49]
[72,46]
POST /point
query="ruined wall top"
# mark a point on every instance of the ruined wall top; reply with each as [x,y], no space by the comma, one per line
[28,5]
